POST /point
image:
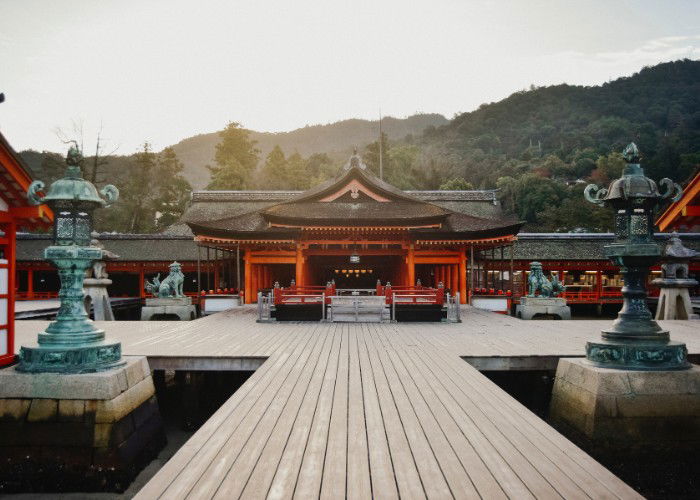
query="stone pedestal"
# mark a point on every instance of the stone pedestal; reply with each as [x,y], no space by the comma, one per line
[96,296]
[617,410]
[529,307]
[93,431]
[674,299]
[169,307]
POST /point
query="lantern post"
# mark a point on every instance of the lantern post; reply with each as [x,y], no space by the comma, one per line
[71,343]
[635,340]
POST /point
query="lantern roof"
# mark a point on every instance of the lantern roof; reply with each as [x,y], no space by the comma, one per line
[633,183]
[72,186]
[633,187]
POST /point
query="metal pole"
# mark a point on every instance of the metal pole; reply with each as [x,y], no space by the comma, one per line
[500,268]
[381,161]
[471,272]
[199,271]
[512,253]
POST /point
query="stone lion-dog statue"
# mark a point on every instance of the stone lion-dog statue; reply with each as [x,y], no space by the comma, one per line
[171,286]
[537,282]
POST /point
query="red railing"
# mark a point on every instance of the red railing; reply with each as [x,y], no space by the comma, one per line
[303,294]
[414,294]
[36,295]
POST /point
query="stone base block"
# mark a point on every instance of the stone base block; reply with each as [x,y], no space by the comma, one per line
[184,313]
[530,307]
[617,410]
[93,431]
[169,301]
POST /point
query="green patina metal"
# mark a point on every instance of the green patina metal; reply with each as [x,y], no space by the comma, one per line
[71,343]
[537,282]
[171,286]
[635,340]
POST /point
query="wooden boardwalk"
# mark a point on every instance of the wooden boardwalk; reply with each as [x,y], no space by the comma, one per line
[372,410]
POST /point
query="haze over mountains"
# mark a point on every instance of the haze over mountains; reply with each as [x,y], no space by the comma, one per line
[533,146]
[335,139]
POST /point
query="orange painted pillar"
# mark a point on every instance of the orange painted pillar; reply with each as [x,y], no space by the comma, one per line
[454,279]
[299,276]
[142,284]
[216,275]
[462,270]
[30,283]
[411,266]
[248,272]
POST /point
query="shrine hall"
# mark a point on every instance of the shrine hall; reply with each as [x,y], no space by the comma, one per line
[355,231]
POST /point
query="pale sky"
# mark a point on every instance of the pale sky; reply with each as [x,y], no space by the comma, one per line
[164,70]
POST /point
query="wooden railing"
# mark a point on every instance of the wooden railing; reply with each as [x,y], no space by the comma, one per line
[302,294]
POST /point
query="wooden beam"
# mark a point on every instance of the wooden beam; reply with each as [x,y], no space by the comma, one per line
[462,270]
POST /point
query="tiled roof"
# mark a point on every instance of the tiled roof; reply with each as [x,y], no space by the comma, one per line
[576,246]
[166,247]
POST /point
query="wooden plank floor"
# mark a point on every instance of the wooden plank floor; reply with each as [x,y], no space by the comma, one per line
[372,410]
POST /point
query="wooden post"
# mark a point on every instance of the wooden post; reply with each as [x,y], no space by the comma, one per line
[247,276]
[30,284]
[462,270]
[299,275]
[454,279]
[238,268]
[599,284]
[410,263]
[142,283]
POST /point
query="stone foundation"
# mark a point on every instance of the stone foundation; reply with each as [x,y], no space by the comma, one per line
[618,410]
[530,307]
[169,306]
[84,432]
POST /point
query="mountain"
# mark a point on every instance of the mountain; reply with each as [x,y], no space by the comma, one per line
[335,139]
[658,108]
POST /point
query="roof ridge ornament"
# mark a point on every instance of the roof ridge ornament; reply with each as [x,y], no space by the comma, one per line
[355,161]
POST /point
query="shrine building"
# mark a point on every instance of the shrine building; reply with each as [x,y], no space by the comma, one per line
[355,231]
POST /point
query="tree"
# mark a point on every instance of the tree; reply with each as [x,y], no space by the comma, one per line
[297,177]
[608,168]
[575,214]
[456,184]
[274,172]
[153,194]
[137,192]
[236,158]
[371,155]
[172,191]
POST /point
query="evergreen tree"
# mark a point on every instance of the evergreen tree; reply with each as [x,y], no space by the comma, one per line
[274,172]
[371,155]
[236,158]
[456,184]
[172,190]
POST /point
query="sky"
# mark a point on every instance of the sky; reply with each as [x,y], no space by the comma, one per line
[163,70]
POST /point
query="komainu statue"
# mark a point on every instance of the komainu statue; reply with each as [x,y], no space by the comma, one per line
[538,283]
[170,286]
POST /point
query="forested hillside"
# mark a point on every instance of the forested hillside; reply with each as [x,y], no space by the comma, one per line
[335,139]
[538,146]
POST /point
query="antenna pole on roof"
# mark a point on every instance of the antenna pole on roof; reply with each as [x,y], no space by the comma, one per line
[381,162]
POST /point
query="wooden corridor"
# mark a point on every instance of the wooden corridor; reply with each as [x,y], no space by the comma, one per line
[371,410]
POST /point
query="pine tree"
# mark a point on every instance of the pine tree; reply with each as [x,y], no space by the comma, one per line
[236,158]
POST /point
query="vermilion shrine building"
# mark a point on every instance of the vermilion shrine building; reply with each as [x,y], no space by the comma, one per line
[247,240]
[15,212]
[354,230]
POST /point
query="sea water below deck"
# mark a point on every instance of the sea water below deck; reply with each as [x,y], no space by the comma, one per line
[370,409]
